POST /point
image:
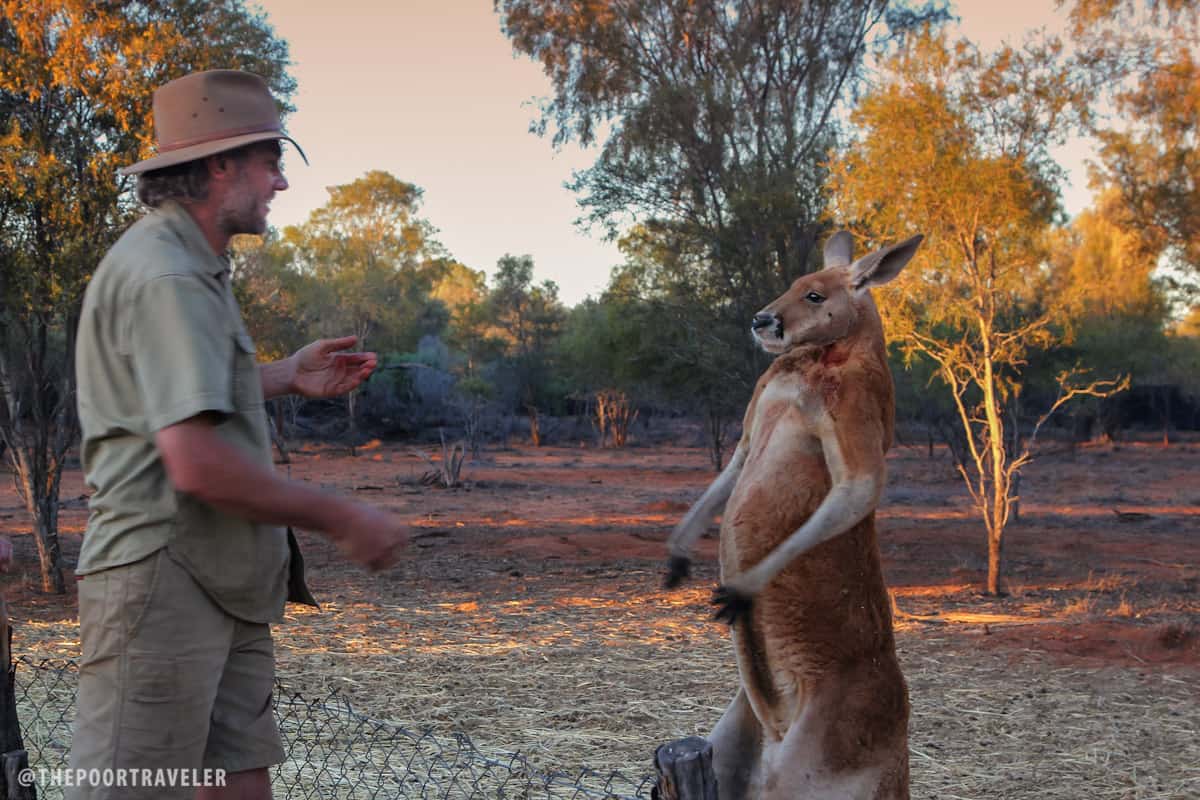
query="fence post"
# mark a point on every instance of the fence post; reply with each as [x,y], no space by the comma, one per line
[13,758]
[684,770]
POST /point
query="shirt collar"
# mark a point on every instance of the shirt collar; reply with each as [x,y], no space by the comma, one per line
[184,226]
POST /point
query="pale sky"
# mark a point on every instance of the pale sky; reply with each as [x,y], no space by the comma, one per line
[430,91]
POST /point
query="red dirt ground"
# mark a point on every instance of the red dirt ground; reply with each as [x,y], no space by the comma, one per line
[1087,585]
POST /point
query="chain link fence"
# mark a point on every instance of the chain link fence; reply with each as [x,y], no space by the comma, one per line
[334,751]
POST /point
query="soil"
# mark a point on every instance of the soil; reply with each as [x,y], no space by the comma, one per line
[538,582]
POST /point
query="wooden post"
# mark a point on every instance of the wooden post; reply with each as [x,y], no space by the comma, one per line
[684,771]
[14,759]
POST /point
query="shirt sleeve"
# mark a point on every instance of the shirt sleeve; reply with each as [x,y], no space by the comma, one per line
[182,353]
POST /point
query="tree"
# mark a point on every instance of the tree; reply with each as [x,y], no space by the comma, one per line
[715,119]
[529,318]
[373,264]
[719,113]
[76,81]
[1147,59]
[373,256]
[673,343]
[955,145]
[1113,312]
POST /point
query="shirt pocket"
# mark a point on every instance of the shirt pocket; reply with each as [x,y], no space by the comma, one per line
[247,383]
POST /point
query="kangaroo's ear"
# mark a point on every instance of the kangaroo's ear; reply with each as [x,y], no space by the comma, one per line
[839,250]
[881,266]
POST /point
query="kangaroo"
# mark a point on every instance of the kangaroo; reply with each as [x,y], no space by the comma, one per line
[822,707]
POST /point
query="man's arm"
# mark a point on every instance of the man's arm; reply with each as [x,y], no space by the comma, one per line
[277,377]
[202,464]
[320,369]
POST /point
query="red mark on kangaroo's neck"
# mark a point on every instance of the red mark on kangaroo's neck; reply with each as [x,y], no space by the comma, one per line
[835,355]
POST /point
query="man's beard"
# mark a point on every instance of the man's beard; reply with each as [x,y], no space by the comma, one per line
[239,213]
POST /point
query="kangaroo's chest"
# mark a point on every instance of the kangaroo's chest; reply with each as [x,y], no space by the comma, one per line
[785,429]
[785,476]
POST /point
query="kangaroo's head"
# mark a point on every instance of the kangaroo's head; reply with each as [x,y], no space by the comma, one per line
[829,305]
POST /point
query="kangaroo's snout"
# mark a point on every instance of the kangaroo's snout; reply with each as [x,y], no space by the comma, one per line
[763,319]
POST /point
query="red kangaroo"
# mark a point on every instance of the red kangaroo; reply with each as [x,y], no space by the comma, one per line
[822,707]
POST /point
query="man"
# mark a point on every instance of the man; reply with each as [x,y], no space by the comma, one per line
[184,565]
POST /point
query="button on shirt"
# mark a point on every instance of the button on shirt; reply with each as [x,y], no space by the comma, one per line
[161,339]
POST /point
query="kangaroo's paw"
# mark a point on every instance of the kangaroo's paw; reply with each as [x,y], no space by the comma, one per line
[679,568]
[731,604]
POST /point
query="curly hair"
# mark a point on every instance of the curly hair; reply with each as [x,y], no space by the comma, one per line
[188,181]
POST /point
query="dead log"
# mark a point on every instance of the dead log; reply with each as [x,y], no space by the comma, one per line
[685,771]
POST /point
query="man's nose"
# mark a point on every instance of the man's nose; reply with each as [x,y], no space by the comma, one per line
[281,183]
[763,319]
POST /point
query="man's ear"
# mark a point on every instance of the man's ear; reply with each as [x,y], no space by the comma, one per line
[221,165]
[881,266]
[839,250]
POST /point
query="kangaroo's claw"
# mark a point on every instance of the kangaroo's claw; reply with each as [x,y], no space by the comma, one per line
[731,605]
[679,568]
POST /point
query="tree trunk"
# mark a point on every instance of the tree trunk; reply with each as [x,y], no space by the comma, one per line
[1166,416]
[998,511]
[601,423]
[716,438]
[49,552]
[995,564]
[40,492]
[535,431]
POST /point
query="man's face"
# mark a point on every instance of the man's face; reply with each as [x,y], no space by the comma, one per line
[256,178]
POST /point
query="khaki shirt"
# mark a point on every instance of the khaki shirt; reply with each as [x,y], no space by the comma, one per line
[161,339]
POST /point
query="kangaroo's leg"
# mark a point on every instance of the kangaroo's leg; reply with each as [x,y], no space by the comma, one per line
[737,749]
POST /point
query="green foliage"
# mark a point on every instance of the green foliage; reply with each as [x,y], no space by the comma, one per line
[528,318]
[271,295]
[599,345]
[1145,55]
[371,264]
[718,114]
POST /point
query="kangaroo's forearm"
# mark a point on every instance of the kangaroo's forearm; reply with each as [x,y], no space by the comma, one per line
[704,510]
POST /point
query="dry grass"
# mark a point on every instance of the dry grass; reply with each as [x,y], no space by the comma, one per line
[1082,606]
[592,677]
[598,673]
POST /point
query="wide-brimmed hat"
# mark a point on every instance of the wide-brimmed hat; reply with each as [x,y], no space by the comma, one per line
[210,112]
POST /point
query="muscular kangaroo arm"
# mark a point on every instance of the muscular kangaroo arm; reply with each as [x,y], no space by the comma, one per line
[698,518]
[704,510]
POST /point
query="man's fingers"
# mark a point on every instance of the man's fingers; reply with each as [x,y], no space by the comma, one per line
[357,360]
[341,343]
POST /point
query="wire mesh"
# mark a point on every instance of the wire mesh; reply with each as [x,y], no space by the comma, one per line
[333,751]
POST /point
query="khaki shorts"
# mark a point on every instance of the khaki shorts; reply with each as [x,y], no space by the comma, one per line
[168,681]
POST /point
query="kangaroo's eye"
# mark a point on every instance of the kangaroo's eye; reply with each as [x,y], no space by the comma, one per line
[813,297]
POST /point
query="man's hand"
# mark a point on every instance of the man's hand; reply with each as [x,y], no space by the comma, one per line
[370,537]
[323,370]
